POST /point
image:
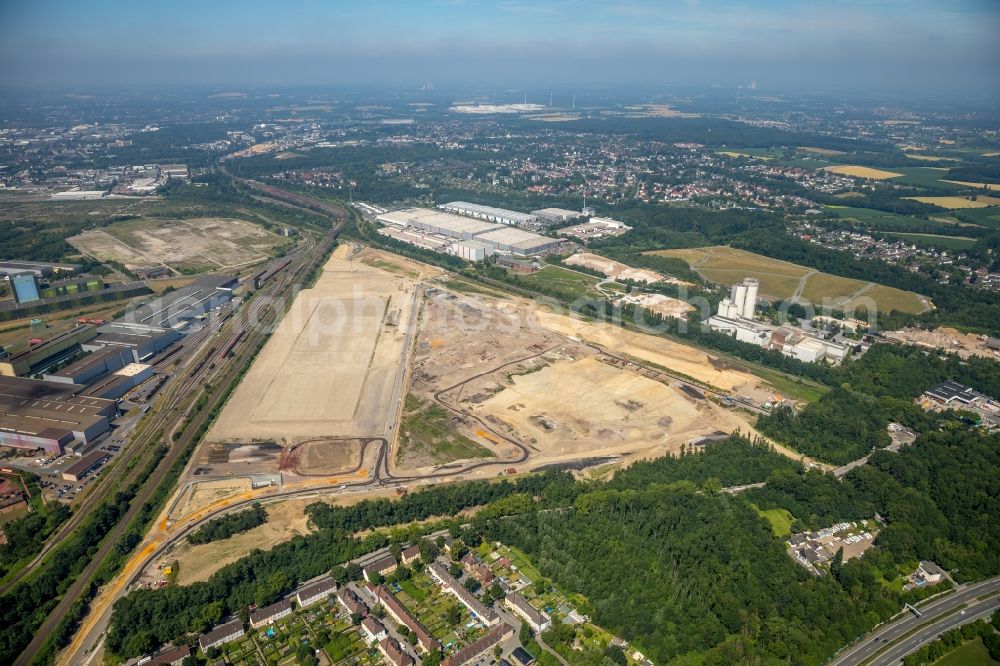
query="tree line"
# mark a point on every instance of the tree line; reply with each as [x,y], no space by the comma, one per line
[229,525]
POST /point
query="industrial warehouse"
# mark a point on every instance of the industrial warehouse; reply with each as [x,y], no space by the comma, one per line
[50,415]
[86,369]
[462,236]
[489,213]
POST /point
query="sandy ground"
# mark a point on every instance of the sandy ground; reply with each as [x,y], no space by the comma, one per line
[197,563]
[585,405]
[654,349]
[329,368]
[612,269]
[664,305]
[524,374]
[204,493]
[203,242]
[946,339]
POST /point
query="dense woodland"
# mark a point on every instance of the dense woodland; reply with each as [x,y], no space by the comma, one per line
[228,525]
[850,420]
[688,574]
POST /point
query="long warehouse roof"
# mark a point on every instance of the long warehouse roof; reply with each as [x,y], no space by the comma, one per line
[429,216]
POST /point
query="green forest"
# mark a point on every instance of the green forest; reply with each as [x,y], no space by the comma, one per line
[228,525]
[687,574]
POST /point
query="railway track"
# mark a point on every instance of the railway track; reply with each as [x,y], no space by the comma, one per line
[176,401]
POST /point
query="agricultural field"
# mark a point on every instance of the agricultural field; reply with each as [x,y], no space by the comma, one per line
[875,217]
[924,177]
[956,203]
[993,187]
[931,158]
[863,172]
[983,217]
[185,246]
[781,279]
[821,151]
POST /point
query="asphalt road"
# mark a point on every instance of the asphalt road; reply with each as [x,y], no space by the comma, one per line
[978,611]
[933,615]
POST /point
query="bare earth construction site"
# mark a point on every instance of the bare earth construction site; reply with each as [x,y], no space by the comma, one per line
[489,382]
[389,373]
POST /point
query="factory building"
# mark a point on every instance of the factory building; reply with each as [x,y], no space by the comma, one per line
[48,351]
[556,215]
[85,465]
[49,415]
[141,343]
[39,268]
[176,309]
[120,382]
[467,238]
[517,242]
[471,250]
[416,239]
[489,213]
[742,301]
[25,287]
[92,366]
[436,222]
[735,317]
[608,223]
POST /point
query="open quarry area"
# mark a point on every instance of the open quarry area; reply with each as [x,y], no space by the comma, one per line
[615,269]
[184,246]
[558,388]
[780,280]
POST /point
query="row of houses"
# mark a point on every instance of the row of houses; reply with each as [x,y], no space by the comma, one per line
[402,615]
[376,634]
[268,615]
[481,649]
[476,607]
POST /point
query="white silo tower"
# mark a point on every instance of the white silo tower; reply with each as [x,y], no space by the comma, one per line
[750,300]
[739,296]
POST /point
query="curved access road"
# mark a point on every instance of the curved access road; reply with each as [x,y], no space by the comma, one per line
[892,641]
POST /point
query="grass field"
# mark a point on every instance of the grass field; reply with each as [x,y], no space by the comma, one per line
[973,653]
[427,436]
[863,172]
[924,177]
[782,279]
[952,203]
[984,217]
[936,240]
[569,284]
[875,217]
[780,519]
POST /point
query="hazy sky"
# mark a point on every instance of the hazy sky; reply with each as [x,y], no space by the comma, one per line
[899,45]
